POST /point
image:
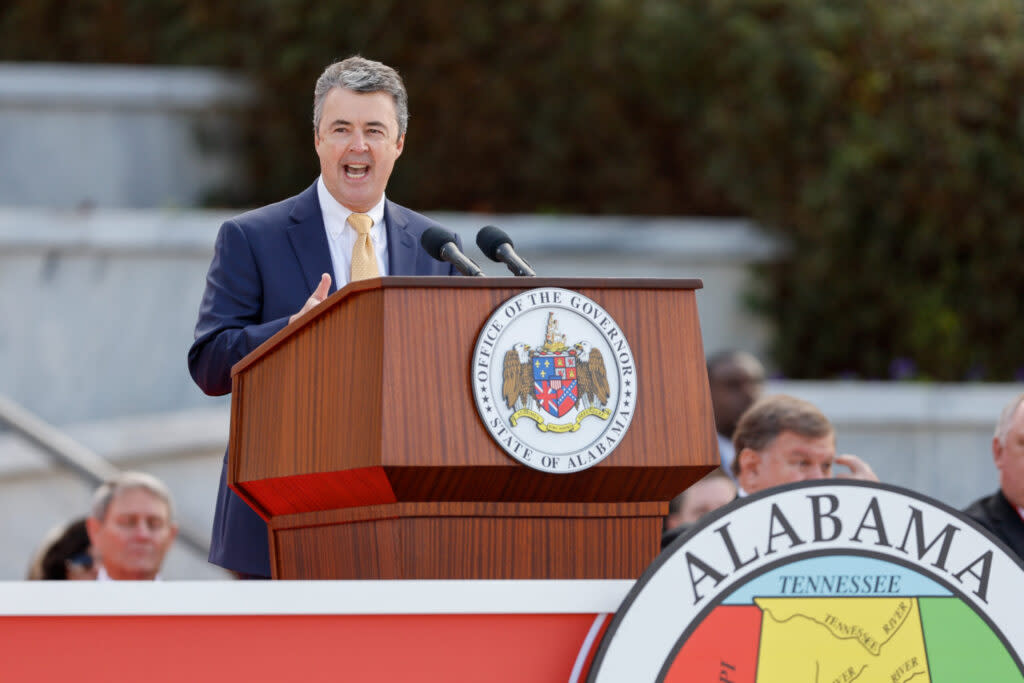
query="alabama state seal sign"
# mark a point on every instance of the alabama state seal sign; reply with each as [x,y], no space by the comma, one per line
[829,581]
[554,380]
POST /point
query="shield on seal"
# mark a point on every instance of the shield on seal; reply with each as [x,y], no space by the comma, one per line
[554,381]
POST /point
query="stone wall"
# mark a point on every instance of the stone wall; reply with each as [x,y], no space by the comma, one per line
[88,135]
[102,302]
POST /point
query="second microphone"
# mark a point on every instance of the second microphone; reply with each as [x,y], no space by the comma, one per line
[442,245]
[498,246]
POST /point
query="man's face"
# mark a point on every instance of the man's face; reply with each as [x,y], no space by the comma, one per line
[788,458]
[133,538]
[1009,459]
[357,143]
[735,384]
[705,496]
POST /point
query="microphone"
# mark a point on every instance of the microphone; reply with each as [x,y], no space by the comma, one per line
[497,246]
[440,244]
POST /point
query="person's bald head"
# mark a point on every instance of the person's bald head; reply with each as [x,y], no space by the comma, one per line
[705,495]
[1008,451]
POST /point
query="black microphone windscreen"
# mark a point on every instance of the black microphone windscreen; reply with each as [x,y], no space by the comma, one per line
[490,238]
[434,239]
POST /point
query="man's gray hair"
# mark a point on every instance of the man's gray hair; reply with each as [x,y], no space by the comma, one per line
[772,415]
[1006,417]
[128,481]
[361,75]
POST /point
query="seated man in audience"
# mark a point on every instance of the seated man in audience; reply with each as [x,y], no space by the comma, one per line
[736,379]
[1002,513]
[707,494]
[131,527]
[781,440]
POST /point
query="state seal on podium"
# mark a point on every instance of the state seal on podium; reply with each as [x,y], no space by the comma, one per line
[554,380]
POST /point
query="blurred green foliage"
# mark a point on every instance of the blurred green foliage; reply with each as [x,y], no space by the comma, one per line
[884,140]
[534,105]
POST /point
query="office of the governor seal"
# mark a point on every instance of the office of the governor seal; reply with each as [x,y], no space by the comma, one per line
[554,380]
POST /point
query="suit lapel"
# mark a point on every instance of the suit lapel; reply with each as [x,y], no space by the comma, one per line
[309,239]
[1011,524]
[402,247]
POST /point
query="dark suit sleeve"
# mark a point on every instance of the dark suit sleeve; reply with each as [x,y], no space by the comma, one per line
[230,321]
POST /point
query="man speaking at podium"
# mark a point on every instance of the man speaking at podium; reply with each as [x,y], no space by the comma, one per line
[272,265]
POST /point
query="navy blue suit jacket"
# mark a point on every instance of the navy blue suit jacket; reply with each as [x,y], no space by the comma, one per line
[266,264]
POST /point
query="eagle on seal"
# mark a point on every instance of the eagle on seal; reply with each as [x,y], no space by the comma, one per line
[591,374]
[517,385]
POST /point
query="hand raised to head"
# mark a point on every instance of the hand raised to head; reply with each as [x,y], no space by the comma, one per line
[319,295]
[859,469]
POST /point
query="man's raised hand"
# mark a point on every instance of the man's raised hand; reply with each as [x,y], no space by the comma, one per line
[319,295]
[859,469]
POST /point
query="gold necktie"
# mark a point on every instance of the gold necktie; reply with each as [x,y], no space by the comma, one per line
[364,260]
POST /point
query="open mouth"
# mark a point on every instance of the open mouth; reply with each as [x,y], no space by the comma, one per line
[356,170]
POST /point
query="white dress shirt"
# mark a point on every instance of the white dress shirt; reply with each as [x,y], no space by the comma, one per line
[102,575]
[728,453]
[341,237]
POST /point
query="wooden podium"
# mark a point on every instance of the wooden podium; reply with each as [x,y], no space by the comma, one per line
[355,435]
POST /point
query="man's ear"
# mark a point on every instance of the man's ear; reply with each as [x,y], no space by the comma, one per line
[750,466]
[997,452]
[92,527]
